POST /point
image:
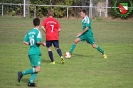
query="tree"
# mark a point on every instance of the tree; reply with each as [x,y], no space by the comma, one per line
[59,11]
[12,10]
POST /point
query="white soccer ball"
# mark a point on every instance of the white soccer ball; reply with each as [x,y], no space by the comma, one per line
[67,55]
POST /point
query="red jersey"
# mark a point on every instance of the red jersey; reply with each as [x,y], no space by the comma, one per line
[51,26]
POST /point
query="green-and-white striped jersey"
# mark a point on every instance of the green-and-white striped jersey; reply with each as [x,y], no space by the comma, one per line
[33,36]
[86,22]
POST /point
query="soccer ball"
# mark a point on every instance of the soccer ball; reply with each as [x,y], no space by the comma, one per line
[67,55]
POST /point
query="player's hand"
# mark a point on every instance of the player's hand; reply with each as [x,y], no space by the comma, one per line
[44,44]
[79,34]
[26,43]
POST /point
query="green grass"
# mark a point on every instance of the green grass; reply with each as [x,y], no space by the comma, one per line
[86,69]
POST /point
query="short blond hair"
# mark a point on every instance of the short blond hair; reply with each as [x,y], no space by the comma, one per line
[51,13]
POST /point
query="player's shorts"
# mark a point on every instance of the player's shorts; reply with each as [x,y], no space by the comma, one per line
[88,39]
[35,60]
[54,42]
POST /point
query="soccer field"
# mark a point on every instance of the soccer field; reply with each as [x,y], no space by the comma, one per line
[86,68]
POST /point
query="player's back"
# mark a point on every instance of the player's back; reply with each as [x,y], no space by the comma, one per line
[32,36]
[52,27]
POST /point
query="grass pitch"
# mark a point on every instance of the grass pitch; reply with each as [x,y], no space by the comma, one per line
[86,68]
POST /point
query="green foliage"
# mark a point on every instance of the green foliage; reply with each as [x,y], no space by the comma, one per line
[11,1]
[12,10]
[40,10]
[59,11]
[99,18]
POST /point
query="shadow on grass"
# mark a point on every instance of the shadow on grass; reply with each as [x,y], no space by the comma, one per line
[48,61]
[18,84]
[26,80]
[81,55]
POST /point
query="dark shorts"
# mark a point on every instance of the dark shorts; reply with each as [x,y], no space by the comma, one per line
[54,42]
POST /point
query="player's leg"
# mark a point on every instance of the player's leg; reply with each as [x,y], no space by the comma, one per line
[33,76]
[92,42]
[56,45]
[50,53]
[100,50]
[28,71]
[36,62]
[74,45]
[25,72]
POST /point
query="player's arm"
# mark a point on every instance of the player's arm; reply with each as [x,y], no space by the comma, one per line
[59,30]
[43,28]
[26,43]
[86,29]
[26,40]
[39,39]
[58,26]
[41,43]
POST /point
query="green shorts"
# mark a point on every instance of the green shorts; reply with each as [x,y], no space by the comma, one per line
[35,60]
[89,40]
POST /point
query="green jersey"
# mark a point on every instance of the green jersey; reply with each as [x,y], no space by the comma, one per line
[86,22]
[33,36]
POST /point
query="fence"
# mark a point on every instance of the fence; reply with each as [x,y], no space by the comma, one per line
[23,9]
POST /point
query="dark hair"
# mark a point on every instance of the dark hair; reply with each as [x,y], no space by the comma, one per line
[84,11]
[36,21]
[51,13]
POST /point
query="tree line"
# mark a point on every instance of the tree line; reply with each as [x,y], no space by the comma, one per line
[59,11]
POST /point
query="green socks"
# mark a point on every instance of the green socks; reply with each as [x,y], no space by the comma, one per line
[72,48]
[29,71]
[100,50]
[74,45]
[32,77]
[32,72]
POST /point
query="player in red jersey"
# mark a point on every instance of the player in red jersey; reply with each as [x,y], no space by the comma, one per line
[51,27]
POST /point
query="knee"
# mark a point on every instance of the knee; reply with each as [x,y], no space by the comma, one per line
[49,49]
[94,46]
[75,41]
[38,69]
[56,48]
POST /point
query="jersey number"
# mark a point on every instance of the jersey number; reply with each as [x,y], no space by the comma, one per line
[32,41]
[52,30]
